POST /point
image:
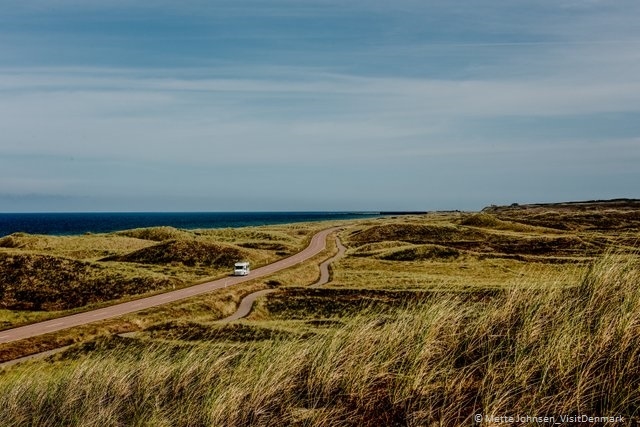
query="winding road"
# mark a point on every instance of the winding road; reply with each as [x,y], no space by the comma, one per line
[245,306]
[325,275]
[317,245]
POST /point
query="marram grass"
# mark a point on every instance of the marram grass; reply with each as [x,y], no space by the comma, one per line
[526,351]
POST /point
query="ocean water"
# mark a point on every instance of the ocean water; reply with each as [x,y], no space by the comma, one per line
[79,223]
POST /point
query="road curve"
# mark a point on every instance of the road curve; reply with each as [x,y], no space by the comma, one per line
[245,306]
[324,267]
[317,244]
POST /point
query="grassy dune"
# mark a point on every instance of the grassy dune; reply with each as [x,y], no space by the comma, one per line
[44,275]
[181,262]
[438,361]
[63,283]
[428,320]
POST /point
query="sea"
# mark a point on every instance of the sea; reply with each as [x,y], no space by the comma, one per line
[61,224]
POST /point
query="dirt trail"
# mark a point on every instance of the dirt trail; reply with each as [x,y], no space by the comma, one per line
[246,305]
[247,302]
[325,274]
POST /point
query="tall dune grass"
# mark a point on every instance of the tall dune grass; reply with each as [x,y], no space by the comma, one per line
[526,352]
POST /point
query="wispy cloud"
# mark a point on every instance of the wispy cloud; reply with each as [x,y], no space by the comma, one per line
[171,99]
[115,113]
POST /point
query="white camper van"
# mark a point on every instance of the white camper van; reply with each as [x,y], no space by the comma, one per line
[241,269]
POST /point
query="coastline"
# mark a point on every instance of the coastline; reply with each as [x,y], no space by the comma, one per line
[76,223]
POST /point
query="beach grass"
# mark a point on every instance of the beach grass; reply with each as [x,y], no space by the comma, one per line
[49,276]
[435,361]
[427,320]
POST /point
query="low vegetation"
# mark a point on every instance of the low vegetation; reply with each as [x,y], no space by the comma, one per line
[420,253]
[196,331]
[622,214]
[45,274]
[63,283]
[189,253]
[428,320]
[438,361]
[156,234]
[89,247]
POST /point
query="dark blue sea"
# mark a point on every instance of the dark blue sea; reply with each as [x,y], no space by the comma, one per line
[79,223]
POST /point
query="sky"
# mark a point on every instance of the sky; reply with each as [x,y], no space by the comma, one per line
[316,105]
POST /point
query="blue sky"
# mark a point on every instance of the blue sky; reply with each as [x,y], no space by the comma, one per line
[239,105]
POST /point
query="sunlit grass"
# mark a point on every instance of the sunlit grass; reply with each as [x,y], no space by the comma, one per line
[552,351]
[44,276]
[428,320]
[460,274]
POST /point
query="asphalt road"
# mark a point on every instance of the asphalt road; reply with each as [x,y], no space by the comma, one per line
[245,306]
[317,244]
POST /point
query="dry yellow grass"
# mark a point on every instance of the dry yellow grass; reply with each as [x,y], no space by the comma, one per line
[527,351]
[90,247]
[529,316]
[48,276]
[460,274]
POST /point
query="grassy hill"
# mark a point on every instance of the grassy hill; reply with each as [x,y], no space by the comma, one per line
[41,274]
[428,320]
[185,252]
[64,283]
[439,361]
